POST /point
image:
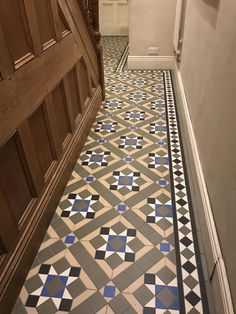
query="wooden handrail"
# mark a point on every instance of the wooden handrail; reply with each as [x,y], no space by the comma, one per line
[90,9]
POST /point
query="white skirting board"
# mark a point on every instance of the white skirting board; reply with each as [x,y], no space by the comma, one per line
[151,62]
[215,244]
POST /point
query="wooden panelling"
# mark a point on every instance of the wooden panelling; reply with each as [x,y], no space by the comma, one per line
[63,25]
[34,172]
[8,230]
[49,96]
[84,84]
[41,138]
[15,26]
[13,179]
[74,93]
[60,112]
[6,63]
[45,21]
[30,84]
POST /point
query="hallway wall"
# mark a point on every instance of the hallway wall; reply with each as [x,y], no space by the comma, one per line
[208,71]
[151,23]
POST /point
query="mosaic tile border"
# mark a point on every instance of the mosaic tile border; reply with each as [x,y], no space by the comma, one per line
[189,269]
[123,60]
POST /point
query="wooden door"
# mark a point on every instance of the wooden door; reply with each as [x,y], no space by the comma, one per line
[49,96]
[114,18]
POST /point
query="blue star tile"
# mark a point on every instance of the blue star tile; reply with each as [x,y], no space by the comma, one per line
[70,239]
[109,291]
[165,247]
[128,159]
[121,207]
[162,182]
[89,179]
[102,141]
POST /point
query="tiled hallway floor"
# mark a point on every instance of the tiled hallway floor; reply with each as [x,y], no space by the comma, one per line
[122,239]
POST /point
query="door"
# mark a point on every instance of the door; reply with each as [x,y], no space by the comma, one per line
[114,19]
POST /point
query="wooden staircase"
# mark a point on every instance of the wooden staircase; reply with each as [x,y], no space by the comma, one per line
[51,86]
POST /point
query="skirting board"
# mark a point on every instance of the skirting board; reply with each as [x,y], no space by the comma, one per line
[214,240]
[151,62]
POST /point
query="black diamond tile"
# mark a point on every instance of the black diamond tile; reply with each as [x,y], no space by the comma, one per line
[186,241]
[184,220]
[181,202]
[193,298]
[189,267]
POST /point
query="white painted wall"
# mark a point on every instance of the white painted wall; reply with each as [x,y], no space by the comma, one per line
[151,23]
[208,70]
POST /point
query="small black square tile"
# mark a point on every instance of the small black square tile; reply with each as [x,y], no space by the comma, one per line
[151,219]
[44,269]
[149,279]
[32,301]
[95,197]
[151,200]
[72,196]
[65,214]
[90,215]
[104,230]
[65,305]
[75,271]
[100,254]
[129,257]
[113,187]
[131,232]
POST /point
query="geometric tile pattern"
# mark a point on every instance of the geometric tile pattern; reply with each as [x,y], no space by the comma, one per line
[125,180]
[116,243]
[82,205]
[120,240]
[165,296]
[93,157]
[54,287]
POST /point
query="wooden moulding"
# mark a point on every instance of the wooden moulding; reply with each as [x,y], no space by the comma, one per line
[19,264]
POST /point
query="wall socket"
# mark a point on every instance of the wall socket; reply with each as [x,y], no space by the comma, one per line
[153,51]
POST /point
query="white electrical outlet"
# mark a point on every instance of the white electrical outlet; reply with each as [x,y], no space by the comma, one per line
[153,51]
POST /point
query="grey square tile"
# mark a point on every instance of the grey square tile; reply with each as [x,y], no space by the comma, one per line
[119,304]
[143,295]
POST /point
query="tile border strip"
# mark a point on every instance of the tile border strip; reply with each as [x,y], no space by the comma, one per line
[208,214]
[183,202]
[123,60]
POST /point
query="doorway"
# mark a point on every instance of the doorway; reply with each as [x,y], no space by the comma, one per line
[114,18]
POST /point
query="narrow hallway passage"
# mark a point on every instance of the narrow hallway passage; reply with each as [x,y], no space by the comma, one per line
[122,239]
